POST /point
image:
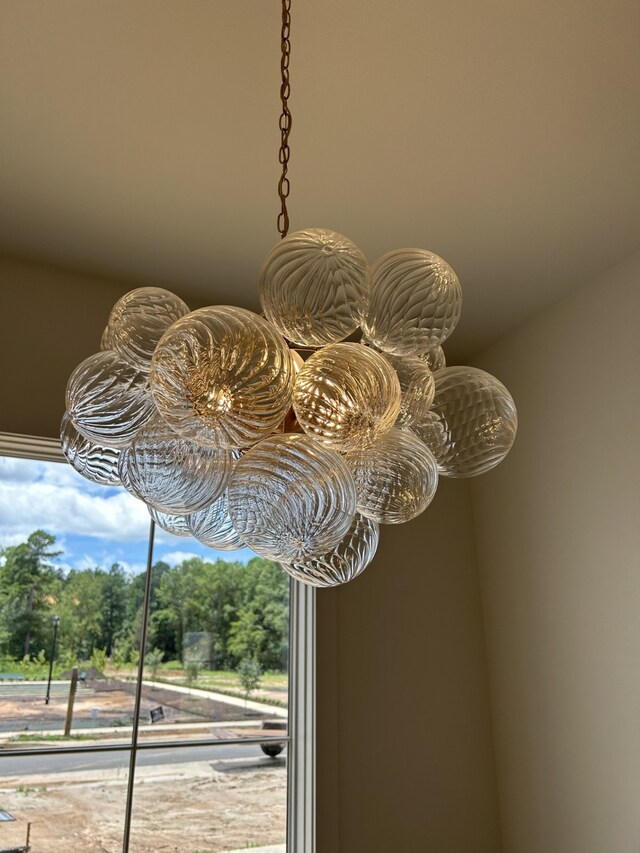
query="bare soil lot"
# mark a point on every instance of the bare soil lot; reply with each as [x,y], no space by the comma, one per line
[107,703]
[202,807]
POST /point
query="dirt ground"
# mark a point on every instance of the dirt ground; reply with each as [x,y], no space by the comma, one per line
[192,807]
[107,703]
[203,807]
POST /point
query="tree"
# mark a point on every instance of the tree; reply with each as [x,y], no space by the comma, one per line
[28,582]
[246,636]
[153,659]
[114,605]
[249,673]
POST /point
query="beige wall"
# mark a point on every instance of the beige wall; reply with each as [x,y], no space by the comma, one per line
[413,771]
[51,320]
[558,535]
[405,757]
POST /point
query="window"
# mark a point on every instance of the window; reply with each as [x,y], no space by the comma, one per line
[199,739]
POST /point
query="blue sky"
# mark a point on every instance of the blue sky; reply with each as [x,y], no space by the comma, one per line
[94,525]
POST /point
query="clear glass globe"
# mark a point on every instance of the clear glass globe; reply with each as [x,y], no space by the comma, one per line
[213,526]
[108,400]
[314,287]
[346,561]
[346,395]
[417,387]
[415,302]
[291,498]
[396,479]
[106,341]
[172,474]
[434,359]
[432,432]
[169,522]
[473,422]
[222,376]
[139,319]
[94,461]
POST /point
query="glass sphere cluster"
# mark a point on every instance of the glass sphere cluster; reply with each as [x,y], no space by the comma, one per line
[273,431]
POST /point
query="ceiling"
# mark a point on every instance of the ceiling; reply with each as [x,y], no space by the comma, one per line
[139,140]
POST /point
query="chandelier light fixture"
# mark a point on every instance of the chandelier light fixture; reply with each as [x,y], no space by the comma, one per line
[297,432]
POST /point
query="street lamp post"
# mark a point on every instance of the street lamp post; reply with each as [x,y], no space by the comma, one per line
[56,623]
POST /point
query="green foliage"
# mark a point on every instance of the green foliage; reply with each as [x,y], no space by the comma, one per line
[242,609]
[29,587]
[153,659]
[249,673]
[120,654]
[98,659]
[192,670]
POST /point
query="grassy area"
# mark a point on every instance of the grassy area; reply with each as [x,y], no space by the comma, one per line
[272,689]
[228,683]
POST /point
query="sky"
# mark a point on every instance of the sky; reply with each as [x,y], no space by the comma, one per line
[94,525]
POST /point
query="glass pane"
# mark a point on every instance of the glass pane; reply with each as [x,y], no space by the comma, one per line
[101,711]
[71,802]
[70,551]
[209,800]
[217,646]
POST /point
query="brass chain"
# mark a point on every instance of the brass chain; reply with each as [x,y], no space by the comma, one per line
[285,119]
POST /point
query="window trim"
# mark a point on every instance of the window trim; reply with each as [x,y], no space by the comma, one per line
[301,750]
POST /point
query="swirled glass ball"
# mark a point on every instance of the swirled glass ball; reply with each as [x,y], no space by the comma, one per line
[106,340]
[172,474]
[94,461]
[169,522]
[415,302]
[291,498]
[476,422]
[314,287]
[213,526]
[396,479]
[139,319]
[432,432]
[435,359]
[346,561]
[346,395]
[222,376]
[417,387]
[108,399]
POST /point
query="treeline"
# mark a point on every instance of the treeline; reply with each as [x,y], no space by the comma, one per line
[243,609]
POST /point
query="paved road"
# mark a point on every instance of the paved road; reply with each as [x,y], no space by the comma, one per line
[42,764]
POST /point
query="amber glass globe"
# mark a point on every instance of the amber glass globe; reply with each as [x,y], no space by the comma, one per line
[291,498]
[434,359]
[346,395]
[172,474]
[396,479]
[415,302]
[222,376]
[314,287]
[473,423]
[139,319]
[346,561]
[108,399]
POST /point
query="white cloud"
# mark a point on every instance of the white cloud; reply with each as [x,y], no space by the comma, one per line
[173,558]
[69,509]
[14,470]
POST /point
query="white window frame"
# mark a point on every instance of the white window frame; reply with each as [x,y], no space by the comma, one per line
[301,758]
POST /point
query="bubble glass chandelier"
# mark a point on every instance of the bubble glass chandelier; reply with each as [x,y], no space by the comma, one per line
[273,431]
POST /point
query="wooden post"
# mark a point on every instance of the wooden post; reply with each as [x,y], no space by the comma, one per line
[72,697]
